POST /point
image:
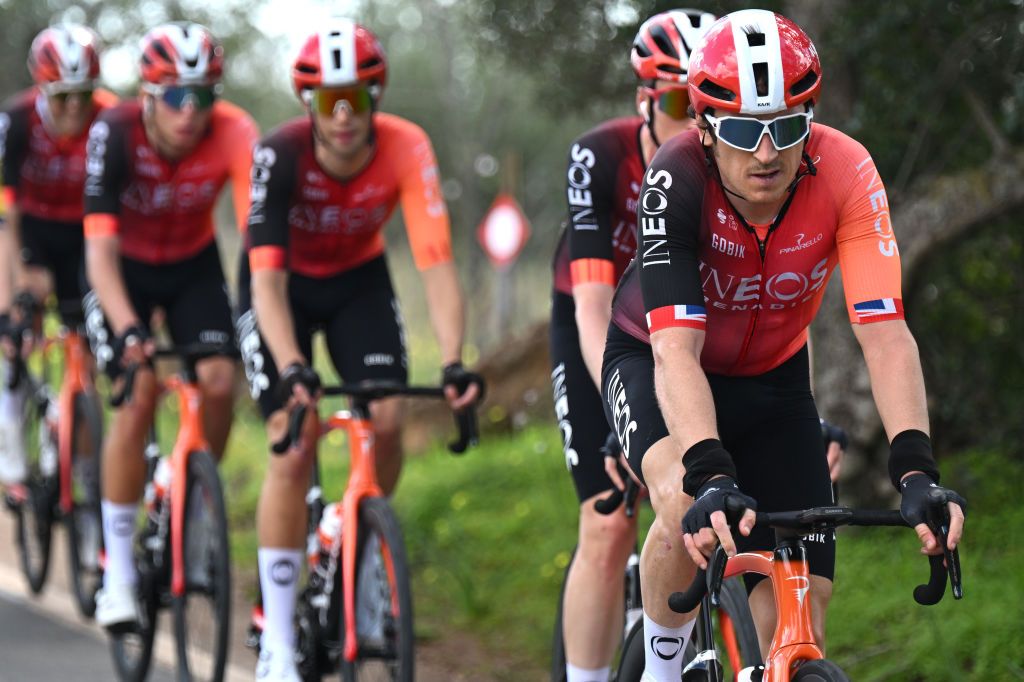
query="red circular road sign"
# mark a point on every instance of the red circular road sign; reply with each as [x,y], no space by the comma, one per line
[504,231]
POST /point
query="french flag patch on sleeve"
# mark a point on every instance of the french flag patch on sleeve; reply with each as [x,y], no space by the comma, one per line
[879,310]
[693,316]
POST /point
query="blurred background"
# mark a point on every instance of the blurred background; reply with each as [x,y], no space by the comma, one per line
[934,89]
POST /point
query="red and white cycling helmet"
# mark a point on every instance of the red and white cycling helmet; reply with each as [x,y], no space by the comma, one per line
[65,58]
[662,47]
[181,53]
[341,53]
[754,62]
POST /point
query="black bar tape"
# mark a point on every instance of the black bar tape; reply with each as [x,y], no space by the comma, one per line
[704,460]
[911,450]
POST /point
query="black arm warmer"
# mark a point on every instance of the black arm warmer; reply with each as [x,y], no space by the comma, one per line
[911,450]
[702,461]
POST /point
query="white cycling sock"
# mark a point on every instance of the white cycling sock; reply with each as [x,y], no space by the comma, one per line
[11,401]
[118,532]
[279,575]
[663,650]
[574,674]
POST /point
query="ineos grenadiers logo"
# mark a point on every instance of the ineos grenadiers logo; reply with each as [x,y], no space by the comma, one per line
[263,159]
[95,150]
[652,227]
[572,458]
[581,202]
[624,425]
[879,208]
[5,125]
[252,354]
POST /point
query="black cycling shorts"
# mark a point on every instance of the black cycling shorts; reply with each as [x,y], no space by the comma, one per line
[60,248]
[768,423]
[356,310]
[192,293]
[578,405]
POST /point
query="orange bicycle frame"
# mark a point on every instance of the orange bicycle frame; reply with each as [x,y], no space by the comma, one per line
[362,483]
[190,439]
[794,637]
[77,379]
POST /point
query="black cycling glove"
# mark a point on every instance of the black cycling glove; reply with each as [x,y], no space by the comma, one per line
[833,434]
[710,498]
[297,374]
[133,334]
[919,493]
[454,374]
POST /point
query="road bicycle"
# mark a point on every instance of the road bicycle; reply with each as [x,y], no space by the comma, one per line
[358,621]
[794,654]
[181,548]
[62,440]
[736,625]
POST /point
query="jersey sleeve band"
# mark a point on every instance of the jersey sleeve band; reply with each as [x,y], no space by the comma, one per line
[98,225]
[592,270]
[266,258]
[691,316]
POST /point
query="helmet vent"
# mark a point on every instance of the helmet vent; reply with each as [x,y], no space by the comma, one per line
[369,63]
[306,68]
[761,78]
[336,59]
[755,38]
[663,42]
[162,51]
[717,91]
[804,84]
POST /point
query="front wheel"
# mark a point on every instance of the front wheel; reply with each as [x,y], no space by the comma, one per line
[821,670]
[36,512]
[202,616]
[84,523]
[383,600]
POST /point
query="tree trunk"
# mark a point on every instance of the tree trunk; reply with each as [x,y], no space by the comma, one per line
[944,210]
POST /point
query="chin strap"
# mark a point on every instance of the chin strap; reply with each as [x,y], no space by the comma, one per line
[650,123]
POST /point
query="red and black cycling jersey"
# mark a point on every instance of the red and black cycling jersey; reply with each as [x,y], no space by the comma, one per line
[162,210]
[604,174]
[307,222]
[754,289]
[43,174]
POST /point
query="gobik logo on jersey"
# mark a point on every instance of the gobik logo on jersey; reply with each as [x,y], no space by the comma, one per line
[572,458]
[624,424]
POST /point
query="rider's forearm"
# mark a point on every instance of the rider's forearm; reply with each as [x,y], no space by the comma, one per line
[103,267]
[274,316]
[593,313]
[447,311]
[897,381]
[684,395]
[12,277]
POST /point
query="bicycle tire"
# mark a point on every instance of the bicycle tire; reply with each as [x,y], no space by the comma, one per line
[733,600]
[558,660]
[83,525]
[385,638]
[202,645]
[821,670]
[36,512]
[631,664]
[35,534]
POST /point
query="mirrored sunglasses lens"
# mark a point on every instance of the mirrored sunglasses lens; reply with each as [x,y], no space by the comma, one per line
[742,133]
[675,103]
[787,131]
[326,101]
[178,97]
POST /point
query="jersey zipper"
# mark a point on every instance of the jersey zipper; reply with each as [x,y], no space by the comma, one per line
[762,249]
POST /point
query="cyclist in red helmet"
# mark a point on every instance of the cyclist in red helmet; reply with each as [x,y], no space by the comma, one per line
[706,367]
[324,184]
[156,168]
[605,170]
[43,133]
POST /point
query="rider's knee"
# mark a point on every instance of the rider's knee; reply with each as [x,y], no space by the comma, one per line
[606,541]
[216,378]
